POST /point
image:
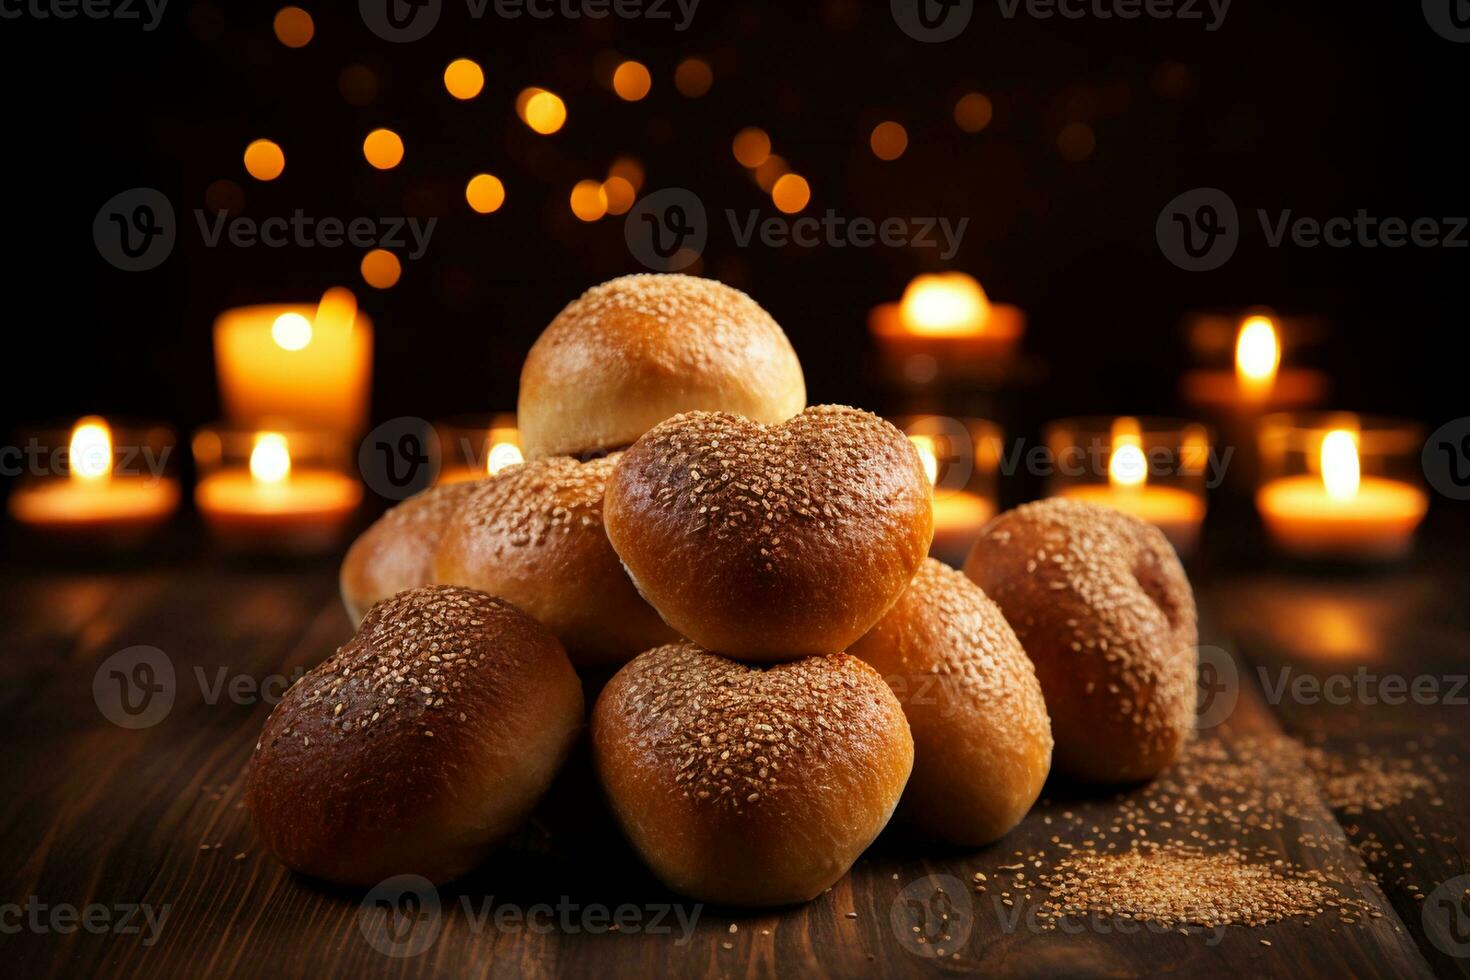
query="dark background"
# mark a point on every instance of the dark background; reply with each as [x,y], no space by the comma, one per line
[1319,107]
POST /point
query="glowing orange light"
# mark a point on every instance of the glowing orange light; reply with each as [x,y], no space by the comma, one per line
[589,200]
[90,452]
[944,303]
[381,269]
[464,79]
[485,193]
[383,149]
[541,110]
[632,81]
[973,112]
[752,147]
[628,169]
[1257,355]
[270,458]
[693,77]
[889,140]
[264,160]
[791,193]
[1341,471]
[1127,465]
[620,195]
[924,445]
[294,27]
[291,331]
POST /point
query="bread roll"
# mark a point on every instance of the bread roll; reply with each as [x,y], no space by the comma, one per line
[1103,608]
[768,542]
[631,352]
[746,785]
[982,740]
[418,746]
[397,551]
[534,535]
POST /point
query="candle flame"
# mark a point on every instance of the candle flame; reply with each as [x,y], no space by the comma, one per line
[91,449]
[1257,355]
[291,331]
[337,310]
[946,303]
[1127,465]
[503,455]
[270,460]
[924,446]
[1341,471]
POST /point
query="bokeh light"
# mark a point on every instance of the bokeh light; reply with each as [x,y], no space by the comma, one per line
[973,112]
[589,200]
[464,79]
[485,193]
[751,146]
[619,194]
[383,149]
[264,160]
[772,169]
[381,269]
[791,193]
[693,77]
[294,27]
[629,169]
[1076,142]
[889,140]
[541,110]
[632,81]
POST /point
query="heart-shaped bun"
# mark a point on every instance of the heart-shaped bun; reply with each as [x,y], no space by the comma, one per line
[771,542]
[748,785]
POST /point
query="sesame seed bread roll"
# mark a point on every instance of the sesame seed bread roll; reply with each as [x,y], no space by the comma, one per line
[771,542]
[750,785]
[636,350]
[420,745]
[1103,608]
[397,551]
[534,535]
[982,739]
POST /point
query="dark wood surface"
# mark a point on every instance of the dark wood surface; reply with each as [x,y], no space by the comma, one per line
[95,814]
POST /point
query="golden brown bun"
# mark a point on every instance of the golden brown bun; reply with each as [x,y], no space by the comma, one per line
[1103,608]
[397,552]
[633,351]
[770,542]
[419,745]
[534,535]
[747,785]
[982,740]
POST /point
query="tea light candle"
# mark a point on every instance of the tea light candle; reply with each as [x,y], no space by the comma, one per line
[1339,512]
[274,505]
[958,514]
[1178,511]
[474,448]
[93,499]
[945,325]
[1258,382]
[310,365]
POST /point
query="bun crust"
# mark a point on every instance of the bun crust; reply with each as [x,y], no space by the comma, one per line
[636,350]
[419,745]
[770,542]
[982,739]
[1103,608]
[397,551]
[534,535]
[744,785]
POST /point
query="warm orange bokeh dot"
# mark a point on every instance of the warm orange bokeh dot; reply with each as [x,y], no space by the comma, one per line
[543,111]
[973,112]
[693,77]
[464,79]
[752,146]
[264,160]
[383,149]
[619,193]
[629,169]
[771,170]
[589,200]
[381,269]
[888,140]
[791,193]
[631,81]
[485,193]
[294,27]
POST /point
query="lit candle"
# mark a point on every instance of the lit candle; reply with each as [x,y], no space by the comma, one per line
[1258,381]
[958,514]
[945,326]
[1175,511]
[93,499]
[1339,512]
[474,450]
[309,365]
[275,505]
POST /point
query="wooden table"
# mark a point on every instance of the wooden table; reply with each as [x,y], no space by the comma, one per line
[98,819]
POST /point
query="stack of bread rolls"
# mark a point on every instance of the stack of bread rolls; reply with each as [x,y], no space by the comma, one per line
[791,669]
